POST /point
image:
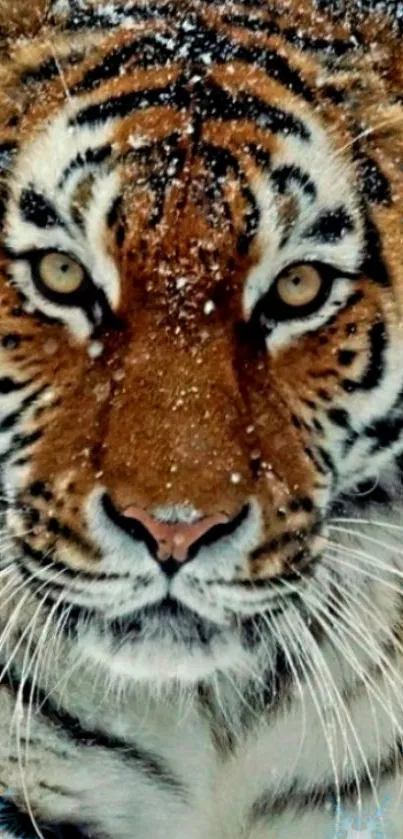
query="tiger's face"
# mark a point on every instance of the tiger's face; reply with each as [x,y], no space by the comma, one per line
[199,347]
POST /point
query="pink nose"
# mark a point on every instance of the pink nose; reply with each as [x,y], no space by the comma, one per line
[174,540]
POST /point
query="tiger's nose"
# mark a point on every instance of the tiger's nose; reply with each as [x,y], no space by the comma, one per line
[171,544]
[177,541]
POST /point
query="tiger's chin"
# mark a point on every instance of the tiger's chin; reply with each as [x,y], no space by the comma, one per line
[162,663]
[158,648]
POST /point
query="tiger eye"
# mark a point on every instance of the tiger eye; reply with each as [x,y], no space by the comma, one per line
[299,286]
[60,273]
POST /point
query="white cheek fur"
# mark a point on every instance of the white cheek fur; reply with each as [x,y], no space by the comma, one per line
[332,180]
[86,245]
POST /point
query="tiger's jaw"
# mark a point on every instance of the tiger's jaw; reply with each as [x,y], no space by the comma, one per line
[137,619]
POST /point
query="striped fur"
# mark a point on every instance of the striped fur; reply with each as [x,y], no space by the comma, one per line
[186,154]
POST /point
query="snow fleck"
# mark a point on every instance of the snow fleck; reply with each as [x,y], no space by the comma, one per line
[181,282]
[208,307]
[48,397]
[95,349]
[235,478]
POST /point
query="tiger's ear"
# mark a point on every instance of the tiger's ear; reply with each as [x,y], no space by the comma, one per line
[21,18]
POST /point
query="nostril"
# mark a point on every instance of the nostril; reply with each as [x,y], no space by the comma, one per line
[173,543]
[131,526]
[175,539]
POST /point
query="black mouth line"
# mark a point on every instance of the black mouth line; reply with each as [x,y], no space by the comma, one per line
[166,618]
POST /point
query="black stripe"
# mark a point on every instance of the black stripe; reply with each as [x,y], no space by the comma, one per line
[221,162]
[9,385]
[285,539]
[268,805]
[148,51]
[384,433]
[92,156]
[251,221]
[315,460]
[21,441]
[19,824]
[192,40]
[208,100]
[203,41]
[333,46]
[375,368]
[50,68]
[173,95]
[261,155]
[44,561]
[330,226]
[327,460]
[373,264]
[286,175]
[11,419]
[114,213]
[153,766]
[37,209]
[169,162]
[4,197]
[214,101]
[44,71]
[339,417]
[375,186]
[294,36]
[387,427]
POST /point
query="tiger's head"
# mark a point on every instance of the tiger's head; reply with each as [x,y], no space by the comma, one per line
[200,314]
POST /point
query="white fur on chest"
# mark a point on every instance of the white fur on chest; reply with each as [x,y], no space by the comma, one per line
[289,748]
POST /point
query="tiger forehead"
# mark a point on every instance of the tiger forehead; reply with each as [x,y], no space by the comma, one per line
[192,259]
[179,204]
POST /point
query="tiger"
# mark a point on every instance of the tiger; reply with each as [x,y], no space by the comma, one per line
[201,419]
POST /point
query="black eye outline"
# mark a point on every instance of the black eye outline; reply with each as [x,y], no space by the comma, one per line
[81,297]
[88,297]
[281,312]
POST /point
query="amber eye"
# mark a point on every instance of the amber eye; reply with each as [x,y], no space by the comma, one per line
[60,273]
[299,286]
